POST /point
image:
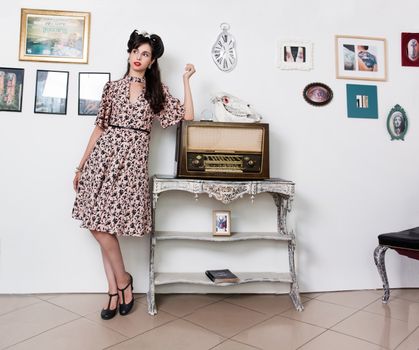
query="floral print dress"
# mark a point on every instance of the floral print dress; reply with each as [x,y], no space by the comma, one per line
[113,192]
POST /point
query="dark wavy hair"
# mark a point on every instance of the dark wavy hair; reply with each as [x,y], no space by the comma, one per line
[154,89]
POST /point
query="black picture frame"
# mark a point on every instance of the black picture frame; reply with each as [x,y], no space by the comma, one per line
[51,93]
[90,91]
[11,89]
[317,94]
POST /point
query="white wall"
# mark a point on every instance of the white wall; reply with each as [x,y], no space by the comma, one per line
[352,182]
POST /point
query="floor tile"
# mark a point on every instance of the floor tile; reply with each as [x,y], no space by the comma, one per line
[225,318]
[30,321]
[320,313]
[408,294]
[383,331]
[310,295]
[333,340]
[411,343]
[399,309]
[137,322]
[353,299]
[270,304]
[46,296]
[176,335]
[81,304]
[182,304]
[279,333]
[89,336]
[233,345]
[10,302]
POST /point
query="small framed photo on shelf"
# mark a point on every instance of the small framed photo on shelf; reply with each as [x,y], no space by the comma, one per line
[51,92]
[54,36]
[362,58]
[221,223]
[90,91]
[295,55]
[11,89]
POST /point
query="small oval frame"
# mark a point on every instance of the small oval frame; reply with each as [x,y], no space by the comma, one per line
[397,132]
[324,99]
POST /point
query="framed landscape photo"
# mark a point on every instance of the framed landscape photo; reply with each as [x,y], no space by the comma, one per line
[317,94]
[51,92]
[295,55]
[362,101]
[221,225]
[54,36]
[410,49]
[362,58]
[11,89]
[90,91]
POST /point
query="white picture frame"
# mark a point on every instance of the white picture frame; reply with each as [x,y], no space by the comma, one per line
[293,54]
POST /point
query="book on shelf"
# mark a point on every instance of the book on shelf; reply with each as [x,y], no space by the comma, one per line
[222,276]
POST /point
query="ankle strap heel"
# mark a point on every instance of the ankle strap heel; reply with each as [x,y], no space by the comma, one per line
[125,308]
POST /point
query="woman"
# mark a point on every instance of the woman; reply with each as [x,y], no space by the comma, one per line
[111,180]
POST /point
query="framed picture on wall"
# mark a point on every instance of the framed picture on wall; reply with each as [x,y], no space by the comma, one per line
[362,58]
[362,101]
[221,223]
[51,92]
[317,94]
[410,49]
[11,89]
[397,123]
[90,91]
[295,55]
[54,36]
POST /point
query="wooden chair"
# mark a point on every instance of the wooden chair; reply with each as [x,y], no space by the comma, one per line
[404,242]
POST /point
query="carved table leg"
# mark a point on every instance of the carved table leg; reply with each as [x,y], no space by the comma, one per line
[152,309]
[379,254]
[294,289]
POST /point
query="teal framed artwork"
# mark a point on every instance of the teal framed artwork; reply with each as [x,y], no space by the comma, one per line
[361,101]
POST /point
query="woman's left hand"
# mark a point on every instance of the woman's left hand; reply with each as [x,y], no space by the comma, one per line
[189,71]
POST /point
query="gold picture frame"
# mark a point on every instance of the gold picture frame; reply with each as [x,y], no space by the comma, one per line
[221,222]
[361,58]
[54,36]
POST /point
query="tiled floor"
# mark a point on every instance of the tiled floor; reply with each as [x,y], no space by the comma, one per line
[354,320]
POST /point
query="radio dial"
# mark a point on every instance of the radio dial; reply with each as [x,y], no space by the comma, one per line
[251,163]
[195,162]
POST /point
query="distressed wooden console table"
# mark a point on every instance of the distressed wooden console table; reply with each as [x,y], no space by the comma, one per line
[225,191]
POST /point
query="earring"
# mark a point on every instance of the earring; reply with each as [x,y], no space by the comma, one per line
[149,67]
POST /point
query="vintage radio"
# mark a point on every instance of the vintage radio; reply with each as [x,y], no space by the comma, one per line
[222,150]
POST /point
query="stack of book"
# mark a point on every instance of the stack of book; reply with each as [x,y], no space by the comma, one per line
[222,276]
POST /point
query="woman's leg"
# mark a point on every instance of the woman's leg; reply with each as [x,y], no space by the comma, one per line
[113,263]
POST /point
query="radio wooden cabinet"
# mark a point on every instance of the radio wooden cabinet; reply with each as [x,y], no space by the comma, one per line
[225,191]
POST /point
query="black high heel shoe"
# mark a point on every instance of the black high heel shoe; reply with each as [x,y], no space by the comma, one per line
[124,309]
[109,313]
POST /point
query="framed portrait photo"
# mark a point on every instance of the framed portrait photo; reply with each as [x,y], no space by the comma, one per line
[11,89]
[317,94]
[361,101]
[295,55]
[54,36]
[362,58]
[51,92]
[221,225]
[90,91]
[397,123]
[410,49]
